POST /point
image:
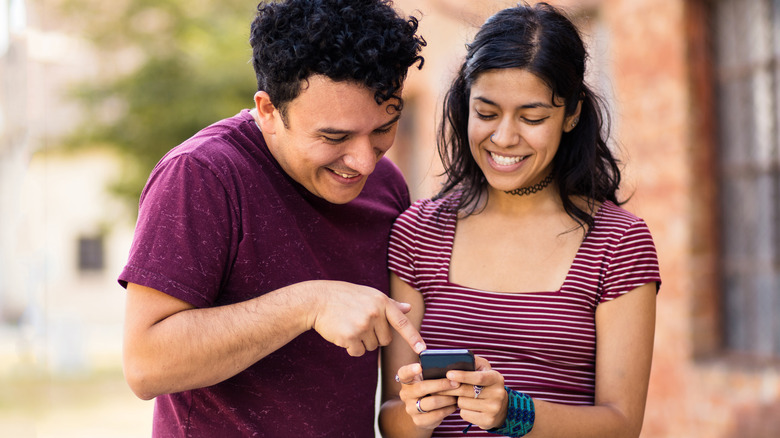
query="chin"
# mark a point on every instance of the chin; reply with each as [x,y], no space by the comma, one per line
[340,201]
[341,198]
[501,186]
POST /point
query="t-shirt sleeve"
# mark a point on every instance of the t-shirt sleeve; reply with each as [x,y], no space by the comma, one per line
[402,246]
[394,179]
[633,263]
[185,230]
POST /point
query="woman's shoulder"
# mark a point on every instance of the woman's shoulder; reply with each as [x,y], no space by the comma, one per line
[616,222]
[429,210]
[613,214]
[434,206]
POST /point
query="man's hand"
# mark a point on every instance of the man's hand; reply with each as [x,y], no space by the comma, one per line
[359,318]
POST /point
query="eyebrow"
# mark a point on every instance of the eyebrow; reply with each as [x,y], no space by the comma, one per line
[526,106]
[334,131]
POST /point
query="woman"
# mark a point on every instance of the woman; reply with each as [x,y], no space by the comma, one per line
[524,256]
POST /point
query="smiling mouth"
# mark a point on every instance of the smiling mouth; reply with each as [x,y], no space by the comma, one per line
[345,175]
[506,161]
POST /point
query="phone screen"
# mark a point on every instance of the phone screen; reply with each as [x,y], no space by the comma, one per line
[436,363]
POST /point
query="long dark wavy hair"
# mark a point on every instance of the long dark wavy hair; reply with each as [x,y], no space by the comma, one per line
[542,41]
[364,41]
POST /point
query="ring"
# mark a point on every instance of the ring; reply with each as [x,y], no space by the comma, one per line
[419,409]
[398,379]
[477,390]
[491,138]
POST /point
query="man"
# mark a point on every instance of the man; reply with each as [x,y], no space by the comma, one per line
[257,279]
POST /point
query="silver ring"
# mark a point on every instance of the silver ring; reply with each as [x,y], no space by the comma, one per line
[419,409]
[477,390]
[491,138]
[398,379]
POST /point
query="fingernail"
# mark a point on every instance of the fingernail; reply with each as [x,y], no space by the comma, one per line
[418,347]
[454,384]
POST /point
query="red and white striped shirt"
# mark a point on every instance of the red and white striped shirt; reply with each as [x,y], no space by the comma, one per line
[544,343]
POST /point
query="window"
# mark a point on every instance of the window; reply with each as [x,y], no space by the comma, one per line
[91,258]
[746,37]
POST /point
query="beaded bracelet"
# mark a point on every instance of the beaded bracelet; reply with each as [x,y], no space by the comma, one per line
[519,415]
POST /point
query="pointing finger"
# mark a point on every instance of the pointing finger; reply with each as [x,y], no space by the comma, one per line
[403,307]
[405,328]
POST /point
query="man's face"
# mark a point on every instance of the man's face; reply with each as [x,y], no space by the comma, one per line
[335,134]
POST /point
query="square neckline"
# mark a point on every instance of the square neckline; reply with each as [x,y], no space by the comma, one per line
[450,242]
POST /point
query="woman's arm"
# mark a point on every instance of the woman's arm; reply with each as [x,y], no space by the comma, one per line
[625,329]
[399,400]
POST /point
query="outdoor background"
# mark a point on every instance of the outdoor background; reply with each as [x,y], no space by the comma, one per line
[93,92]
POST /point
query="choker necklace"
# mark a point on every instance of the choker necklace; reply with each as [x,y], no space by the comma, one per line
[532,189]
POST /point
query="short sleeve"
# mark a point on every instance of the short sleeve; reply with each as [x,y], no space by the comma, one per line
[401,248]
[184,234]
[633,262]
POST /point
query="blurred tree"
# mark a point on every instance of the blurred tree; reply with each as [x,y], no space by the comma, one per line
[170,68]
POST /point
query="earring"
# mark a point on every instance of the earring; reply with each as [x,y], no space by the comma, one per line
[575,121]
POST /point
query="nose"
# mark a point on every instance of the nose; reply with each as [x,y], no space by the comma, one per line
[506,134]
[361,156]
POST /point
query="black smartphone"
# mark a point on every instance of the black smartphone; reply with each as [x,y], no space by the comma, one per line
[436,363]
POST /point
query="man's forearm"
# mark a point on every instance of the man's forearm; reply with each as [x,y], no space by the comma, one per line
[193,348]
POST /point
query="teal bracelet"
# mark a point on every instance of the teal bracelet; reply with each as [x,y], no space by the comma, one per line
[520,415]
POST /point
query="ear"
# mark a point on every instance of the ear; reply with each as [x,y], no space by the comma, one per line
[571,121]
[267,115]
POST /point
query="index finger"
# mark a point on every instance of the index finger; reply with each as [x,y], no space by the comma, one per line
[404,327]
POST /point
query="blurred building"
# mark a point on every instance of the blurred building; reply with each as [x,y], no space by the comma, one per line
[61,234]
[694,88]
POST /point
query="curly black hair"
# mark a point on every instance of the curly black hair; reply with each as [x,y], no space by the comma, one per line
[541,40]
[364,41]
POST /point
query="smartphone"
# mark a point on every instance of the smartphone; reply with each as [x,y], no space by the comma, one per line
[436,363]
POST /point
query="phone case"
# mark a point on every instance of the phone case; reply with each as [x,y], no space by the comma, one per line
[436,363]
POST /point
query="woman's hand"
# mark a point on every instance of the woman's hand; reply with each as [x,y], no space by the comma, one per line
[481,396]
[424,399]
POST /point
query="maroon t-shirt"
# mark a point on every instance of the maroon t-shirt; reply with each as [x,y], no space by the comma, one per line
[220,222]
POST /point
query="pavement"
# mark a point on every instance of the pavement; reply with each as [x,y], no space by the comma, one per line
[84,406]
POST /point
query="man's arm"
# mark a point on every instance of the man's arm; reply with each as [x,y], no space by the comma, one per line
[170,346]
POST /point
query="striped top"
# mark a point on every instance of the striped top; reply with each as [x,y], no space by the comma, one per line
[544,343]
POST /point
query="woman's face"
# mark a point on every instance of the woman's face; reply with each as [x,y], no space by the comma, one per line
[516,108]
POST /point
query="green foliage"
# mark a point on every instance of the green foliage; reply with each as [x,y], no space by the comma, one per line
[172,68]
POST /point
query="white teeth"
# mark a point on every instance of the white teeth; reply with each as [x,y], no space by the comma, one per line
[505,161]
[343,175]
